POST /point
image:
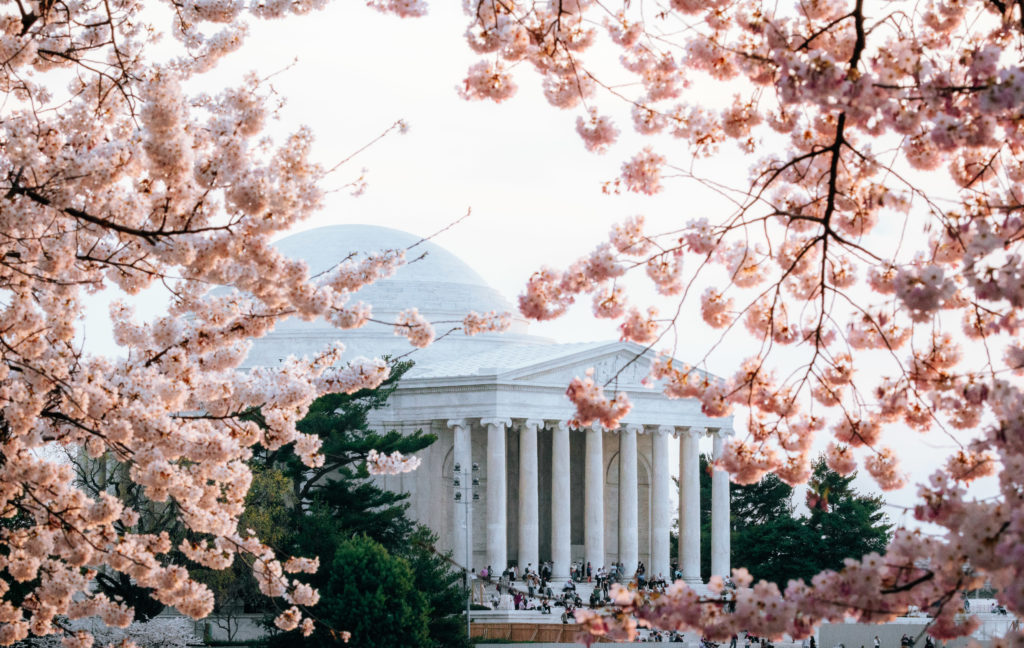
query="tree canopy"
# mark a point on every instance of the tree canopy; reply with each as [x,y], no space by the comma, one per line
[340,516]
[775,544]
[374,594]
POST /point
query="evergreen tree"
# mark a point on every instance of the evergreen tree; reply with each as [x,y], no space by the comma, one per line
[776,545]
[767,538]
[374,595]
[442,586]
[846,524]
[338,504]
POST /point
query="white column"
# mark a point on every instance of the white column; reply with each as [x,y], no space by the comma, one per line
[497,518]
[719,512]
[529,513]
[660,505]
[561,516]
[593,509]
[629,522]
[462,529]
[689,504]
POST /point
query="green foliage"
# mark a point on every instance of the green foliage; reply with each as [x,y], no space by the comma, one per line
[442,586]
[777,545]
[337,513]
[853,525]
[374,595]
[268,505]
[777,550]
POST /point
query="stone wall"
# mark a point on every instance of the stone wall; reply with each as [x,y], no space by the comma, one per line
[855,635]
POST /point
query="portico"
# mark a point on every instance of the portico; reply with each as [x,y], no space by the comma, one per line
[640,528]
[549,492]
[497,402]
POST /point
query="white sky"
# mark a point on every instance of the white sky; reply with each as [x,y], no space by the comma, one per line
[535,192]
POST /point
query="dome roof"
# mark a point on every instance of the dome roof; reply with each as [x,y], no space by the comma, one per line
[324,247]
[435,281]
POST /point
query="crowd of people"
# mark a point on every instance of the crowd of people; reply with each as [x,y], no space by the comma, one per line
[907,641]
[530,588]
[659,636]
[534,593]
[750,641]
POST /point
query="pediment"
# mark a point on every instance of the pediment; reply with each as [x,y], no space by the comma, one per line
[622,364]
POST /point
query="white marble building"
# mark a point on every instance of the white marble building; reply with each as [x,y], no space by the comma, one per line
[498,401]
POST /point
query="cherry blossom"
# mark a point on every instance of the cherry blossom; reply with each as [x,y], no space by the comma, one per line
[119,176]
[610,303]
[415,327]
[592,406]
[488,81]
[871,253]
[474,323]
[839,458]
[597,132]
[289,619]
[642,174]
[628,236]
[392,464]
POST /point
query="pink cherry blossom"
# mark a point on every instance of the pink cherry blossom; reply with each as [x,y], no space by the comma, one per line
[488,81]
[474,323]
[598,132]
[642,174]
[415,327]
[592,406]
[392,464]
[839,458]
[639,327]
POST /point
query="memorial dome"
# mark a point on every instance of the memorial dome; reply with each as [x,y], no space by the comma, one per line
[434,280]
[443,287]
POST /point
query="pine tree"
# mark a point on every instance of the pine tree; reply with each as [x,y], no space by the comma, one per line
[337,510]
[767,538]
[848,524]
[374,595]
[776,545]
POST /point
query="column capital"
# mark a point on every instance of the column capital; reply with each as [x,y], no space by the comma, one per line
[537,424]
[457,423]
[507,422]
[633,428]
[721,432]
[664,430]
[560,425]
[697,432]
